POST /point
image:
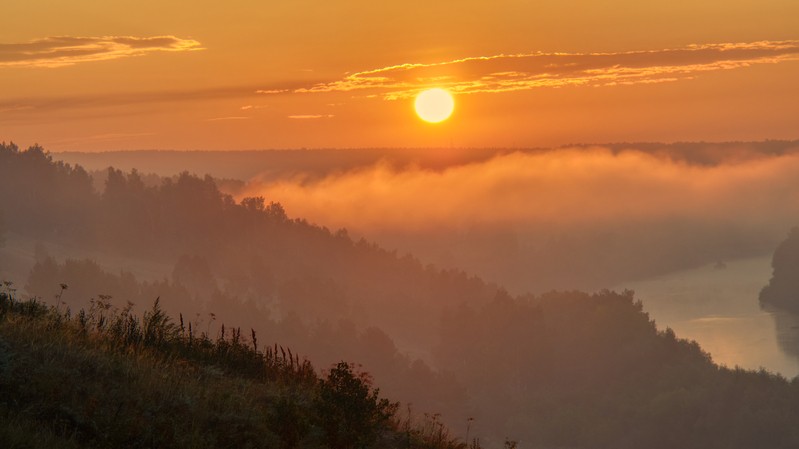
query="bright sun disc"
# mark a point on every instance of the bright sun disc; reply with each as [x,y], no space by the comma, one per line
[434,105]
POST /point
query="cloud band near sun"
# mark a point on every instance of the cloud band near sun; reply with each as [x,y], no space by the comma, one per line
[505,73]
[62,51]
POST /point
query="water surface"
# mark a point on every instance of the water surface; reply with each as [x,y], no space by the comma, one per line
[718,307]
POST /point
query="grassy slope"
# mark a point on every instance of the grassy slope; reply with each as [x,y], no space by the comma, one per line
[104,378]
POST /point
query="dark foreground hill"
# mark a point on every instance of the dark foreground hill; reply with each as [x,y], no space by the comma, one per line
[105,378]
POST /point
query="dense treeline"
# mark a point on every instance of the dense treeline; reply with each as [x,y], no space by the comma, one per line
[591,371]
[594,372]
[563,369]
[243,243]
[782,290]
[245,263]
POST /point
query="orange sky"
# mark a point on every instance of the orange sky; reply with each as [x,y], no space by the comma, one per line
[94,75]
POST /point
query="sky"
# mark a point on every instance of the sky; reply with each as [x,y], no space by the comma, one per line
[92,75]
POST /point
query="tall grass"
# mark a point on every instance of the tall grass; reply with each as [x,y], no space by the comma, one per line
[106,377]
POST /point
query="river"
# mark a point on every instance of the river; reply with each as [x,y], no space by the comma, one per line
[718,307]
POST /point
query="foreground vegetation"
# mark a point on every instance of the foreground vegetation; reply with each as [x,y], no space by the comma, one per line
[106,378]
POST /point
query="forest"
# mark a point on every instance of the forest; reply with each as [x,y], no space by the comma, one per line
[782,290]
[528,219]
[563,369]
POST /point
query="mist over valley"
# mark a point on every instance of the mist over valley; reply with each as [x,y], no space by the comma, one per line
[469,273]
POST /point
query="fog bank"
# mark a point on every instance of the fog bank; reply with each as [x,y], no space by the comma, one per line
[573,217]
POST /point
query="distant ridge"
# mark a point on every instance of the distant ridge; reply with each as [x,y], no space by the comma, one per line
[277,164]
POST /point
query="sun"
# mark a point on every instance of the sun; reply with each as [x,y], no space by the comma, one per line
[434,105]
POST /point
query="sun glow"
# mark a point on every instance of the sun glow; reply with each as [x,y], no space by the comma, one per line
[434,105]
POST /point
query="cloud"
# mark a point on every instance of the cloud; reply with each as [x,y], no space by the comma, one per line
[61,51]
[15,108]
[114,136]
[481,74]
[249,107]
[219,119]
[514,72]
[310,116]
[26,107]
[104,137]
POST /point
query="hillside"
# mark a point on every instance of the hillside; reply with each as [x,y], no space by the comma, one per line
[501,213]
[246,263]
[561,369]
[107,378]
[104,377]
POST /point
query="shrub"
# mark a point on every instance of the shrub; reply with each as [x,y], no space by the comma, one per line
[352,414]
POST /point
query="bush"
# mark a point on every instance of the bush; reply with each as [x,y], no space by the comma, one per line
[351,414]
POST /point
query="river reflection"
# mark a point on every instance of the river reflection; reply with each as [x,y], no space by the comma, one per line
[718,307]
[787,324]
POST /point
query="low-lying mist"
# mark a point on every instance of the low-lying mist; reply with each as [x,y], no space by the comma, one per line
[567,218]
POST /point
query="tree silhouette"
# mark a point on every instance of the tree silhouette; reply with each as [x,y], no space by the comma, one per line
[783,287]
[351,413]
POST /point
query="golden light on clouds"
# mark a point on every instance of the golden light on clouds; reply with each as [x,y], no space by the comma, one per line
[60,51]
[517,72]
[310,116]
[264,89]
[434,105]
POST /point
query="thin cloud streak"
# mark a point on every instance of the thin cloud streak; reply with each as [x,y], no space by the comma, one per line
[515,72]
[61,51]
[28,106]
[219,119]
[106,137]
[310,116]
[112,136]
